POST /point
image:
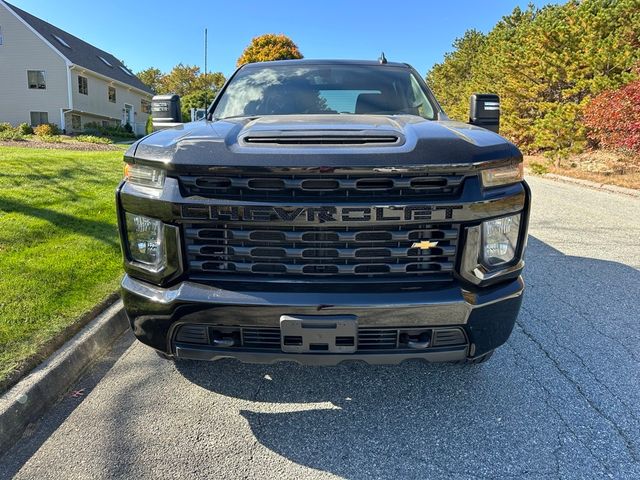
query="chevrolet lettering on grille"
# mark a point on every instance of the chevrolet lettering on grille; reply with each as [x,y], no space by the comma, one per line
[259,213]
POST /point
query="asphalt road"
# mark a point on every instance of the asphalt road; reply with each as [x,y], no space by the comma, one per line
[560,400]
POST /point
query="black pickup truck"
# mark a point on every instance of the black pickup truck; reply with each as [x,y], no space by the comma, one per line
[324,211]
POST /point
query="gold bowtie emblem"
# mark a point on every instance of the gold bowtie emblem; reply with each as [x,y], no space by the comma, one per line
[424,245]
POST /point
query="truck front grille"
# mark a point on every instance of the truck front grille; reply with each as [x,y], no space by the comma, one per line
[232,249]
[319,186]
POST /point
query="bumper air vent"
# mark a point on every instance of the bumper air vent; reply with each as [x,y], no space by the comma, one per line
[193,334]
[448,337]
[377,339]
[261,338]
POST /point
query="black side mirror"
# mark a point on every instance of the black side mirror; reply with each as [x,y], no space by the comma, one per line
[484,111]
[166,111]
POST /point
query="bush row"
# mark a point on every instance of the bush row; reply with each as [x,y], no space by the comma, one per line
[98,130]
[93,139]
[9,132]
[46,132]
[50,133]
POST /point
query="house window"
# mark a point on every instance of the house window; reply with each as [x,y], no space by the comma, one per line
[112,94]
[105,123]
[0,35]
[38,118]
[76,122]
[83,86]
[145,106]
[36,80]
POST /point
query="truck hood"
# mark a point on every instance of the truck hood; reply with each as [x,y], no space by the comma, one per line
[322,140]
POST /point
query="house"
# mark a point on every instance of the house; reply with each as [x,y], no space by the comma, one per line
[50,76]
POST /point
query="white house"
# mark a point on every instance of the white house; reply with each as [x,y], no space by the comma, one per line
[49,76]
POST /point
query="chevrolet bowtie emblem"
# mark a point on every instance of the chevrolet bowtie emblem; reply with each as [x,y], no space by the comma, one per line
[424,245]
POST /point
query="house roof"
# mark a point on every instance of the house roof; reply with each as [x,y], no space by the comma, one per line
[82,53]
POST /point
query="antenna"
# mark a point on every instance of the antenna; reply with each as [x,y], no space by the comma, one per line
[205,69]
[382,59]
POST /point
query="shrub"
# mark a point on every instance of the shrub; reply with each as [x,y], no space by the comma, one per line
[98,130]
[89,130]
[128,128]
[613,118]
[5,126]
[538,168]
[50,138]
[46,130]
[25,129]
[148,129]
[93,139]
[11,134]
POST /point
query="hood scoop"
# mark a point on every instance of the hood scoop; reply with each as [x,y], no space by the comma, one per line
[321,138]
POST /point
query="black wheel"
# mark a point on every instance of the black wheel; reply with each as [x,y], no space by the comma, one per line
[165,356]
[481,359]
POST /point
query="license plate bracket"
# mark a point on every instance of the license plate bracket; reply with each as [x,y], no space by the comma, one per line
[319,333]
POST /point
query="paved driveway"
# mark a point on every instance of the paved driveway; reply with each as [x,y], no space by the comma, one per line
[560,400]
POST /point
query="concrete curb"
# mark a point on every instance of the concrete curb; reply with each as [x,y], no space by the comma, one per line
[26,401]
[589,184]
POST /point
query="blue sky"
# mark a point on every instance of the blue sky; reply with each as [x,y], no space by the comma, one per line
[147,33]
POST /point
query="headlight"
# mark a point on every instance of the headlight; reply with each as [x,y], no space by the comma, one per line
[144,175]
[500,240]
[145,241]
[492,177]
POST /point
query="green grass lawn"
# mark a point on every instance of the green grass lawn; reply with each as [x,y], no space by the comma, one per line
[59,250]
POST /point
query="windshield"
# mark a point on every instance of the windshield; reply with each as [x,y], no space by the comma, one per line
[324,89]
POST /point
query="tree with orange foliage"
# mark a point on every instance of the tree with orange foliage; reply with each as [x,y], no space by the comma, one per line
[269,47]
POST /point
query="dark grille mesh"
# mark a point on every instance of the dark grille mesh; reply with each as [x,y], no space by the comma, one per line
[364,251]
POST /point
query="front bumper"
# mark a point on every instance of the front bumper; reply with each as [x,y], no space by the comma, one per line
[486,315]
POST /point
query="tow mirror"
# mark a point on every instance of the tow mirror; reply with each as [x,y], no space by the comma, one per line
[484,111]
[166,111]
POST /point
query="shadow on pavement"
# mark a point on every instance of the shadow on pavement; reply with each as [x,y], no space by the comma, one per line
[562,394]
[38,433]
